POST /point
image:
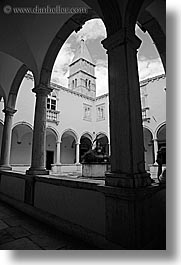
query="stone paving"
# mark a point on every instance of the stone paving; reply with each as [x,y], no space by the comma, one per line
[21,232]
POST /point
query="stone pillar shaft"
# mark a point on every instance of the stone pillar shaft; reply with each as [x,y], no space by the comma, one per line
[6,138]
[39,132]
[126,132]
[58,152]
[77,153]
[155,144]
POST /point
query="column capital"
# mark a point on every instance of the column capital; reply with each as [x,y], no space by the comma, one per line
[42,90]
[121,37]
[9,111]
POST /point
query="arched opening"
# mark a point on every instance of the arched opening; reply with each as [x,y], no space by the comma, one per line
[148,148]
[1,133]
[68,148]
[21,145]
[149,59]
[103,142]
[161,138]
[50,148]
[78,76]
[85,144]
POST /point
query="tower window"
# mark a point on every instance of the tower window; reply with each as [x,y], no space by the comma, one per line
[72,83]
[89,84]
[75,82]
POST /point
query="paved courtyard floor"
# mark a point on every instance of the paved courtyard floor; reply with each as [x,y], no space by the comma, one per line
[21,232]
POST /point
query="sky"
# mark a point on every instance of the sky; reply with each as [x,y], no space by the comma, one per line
[93,32]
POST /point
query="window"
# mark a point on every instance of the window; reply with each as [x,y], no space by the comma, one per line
[144,98]
[75,82]
[89,84]
[52,102]
[86,83]
[143,102]
[100,112]
[145,115]
[87,112]
[52,112]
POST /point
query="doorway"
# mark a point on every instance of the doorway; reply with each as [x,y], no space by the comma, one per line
[49,159]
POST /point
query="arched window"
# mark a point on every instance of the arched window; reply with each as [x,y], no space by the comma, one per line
[72,83]
[75,82]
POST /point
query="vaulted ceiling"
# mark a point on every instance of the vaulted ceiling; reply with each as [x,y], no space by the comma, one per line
[32,41]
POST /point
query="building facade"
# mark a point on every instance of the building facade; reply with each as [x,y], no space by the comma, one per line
[77,119]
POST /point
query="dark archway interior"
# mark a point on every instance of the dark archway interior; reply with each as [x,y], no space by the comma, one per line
[161,137]
[85,145]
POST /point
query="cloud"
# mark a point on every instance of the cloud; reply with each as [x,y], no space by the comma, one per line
[92,29]
[60,70]
[101,73]
[148,68]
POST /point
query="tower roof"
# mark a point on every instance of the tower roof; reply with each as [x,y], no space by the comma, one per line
[82,53]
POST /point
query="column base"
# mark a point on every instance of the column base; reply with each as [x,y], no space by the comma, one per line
[127,180]
[136,218]
[36,171]
[4,167]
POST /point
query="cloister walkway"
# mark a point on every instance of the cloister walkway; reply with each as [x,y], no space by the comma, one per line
[21,232]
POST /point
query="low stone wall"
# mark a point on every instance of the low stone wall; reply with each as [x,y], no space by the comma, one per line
[108,217]
[20,168]
[61,169]
[13,185]
[94,170]
[77,207]
[154,170]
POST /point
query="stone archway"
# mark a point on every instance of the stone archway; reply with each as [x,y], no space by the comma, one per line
[85,144]
[21,143]
[161,138]
[1,133]
[51,154]
[102,139]
[68,148]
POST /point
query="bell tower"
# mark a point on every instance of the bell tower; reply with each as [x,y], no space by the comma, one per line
[82,72]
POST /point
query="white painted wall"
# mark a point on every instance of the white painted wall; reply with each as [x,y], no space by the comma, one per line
[21,153]
[71,107]
[156,101]
[67,151]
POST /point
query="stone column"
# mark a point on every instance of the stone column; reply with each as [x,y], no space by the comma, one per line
[6,139]
[109,149]
[77,153]
[155,144]
[126,132]
[58,152]
[39,132]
